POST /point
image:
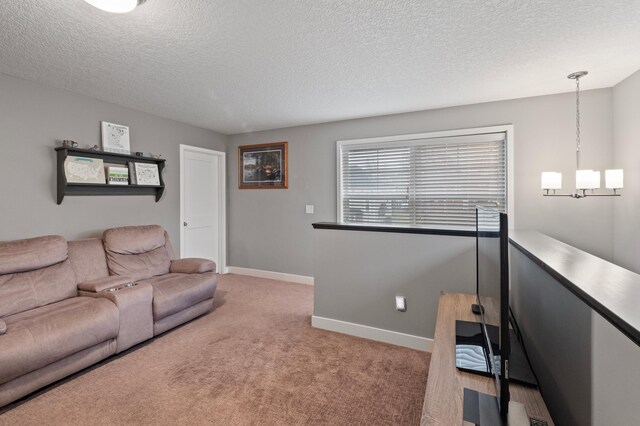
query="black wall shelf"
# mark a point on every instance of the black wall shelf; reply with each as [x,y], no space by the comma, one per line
[65,188]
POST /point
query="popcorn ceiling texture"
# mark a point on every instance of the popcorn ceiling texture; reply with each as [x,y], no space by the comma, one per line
[238,66]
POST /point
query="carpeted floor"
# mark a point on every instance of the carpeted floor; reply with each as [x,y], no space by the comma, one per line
[254,360]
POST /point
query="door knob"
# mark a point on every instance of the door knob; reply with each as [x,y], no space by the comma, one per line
[184,223]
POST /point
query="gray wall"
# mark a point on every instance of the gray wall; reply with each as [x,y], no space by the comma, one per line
[626,132]
[269,230]
[615,375]
[34,118]
[588,370]
[358,275]
[556,326]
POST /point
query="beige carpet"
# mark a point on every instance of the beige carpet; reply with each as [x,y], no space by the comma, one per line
[254,360]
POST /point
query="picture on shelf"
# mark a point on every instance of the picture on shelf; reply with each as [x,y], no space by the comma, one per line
[132,173]
[84,170]
[115,138]
[263,166]
[147,174]
[117,175]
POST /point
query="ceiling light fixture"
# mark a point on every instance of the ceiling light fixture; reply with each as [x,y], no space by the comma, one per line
[116,6]
[585,179]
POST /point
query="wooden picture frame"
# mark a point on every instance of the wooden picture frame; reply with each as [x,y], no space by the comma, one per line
[263,166]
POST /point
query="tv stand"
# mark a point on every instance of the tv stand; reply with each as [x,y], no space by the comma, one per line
[443,402]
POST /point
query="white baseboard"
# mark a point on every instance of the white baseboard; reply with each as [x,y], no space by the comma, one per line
[300,279]
[372,333]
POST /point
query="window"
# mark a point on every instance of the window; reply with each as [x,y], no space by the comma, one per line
[432,180]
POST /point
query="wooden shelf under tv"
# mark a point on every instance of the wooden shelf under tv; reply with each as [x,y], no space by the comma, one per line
[71,189]
[445,384]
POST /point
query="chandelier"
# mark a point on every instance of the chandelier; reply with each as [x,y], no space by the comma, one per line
[586,180]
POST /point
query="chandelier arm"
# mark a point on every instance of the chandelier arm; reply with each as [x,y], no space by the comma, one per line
[582,195]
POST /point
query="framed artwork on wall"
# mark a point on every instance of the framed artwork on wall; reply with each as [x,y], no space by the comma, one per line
[263,166]
[115,138]
[84,170]
[146,174]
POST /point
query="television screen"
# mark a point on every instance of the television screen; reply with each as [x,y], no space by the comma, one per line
[493,294]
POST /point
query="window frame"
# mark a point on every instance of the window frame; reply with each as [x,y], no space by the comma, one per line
[507,129]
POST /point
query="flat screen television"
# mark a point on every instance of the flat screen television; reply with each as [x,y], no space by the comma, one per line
[484,347]
[492,267]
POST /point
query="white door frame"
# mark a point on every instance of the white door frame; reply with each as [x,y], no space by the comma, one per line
[222,217]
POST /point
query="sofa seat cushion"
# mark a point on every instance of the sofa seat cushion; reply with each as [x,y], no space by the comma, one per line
[192,265]
[174,292]
[47,334]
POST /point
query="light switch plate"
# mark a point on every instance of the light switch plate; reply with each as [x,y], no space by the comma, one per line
[308,209]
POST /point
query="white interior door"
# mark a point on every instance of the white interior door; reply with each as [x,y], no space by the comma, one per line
[202,174]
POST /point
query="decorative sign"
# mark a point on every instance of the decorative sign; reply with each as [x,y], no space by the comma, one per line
[115,138]
[117,175]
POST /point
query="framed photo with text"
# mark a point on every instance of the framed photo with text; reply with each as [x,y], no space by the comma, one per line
[263,166]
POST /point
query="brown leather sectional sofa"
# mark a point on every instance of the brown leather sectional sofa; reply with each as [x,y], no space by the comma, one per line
[67,305]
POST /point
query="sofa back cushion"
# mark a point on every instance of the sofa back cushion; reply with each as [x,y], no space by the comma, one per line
[137,251]
[34,272]
[88,259]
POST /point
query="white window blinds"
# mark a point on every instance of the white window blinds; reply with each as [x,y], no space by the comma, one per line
[434,182]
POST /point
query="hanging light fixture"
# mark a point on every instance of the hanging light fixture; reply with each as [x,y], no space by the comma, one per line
[586,180]
[116,6]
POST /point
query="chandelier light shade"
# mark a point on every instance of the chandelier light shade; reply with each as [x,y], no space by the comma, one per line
[116,6]
[551,180]
[586,180]
[614,179]
[583,179]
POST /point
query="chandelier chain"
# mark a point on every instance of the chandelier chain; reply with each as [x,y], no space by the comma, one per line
[578,123]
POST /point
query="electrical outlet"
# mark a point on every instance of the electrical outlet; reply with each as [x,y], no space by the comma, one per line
[308,209]
[401,304]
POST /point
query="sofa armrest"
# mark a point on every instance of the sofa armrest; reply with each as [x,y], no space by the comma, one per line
[105,283]
[192,265]
[3,327]
[135,306]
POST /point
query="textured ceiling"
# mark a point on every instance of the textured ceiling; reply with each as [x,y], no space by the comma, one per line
[242,65]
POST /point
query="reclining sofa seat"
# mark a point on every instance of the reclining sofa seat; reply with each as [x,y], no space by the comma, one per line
[65,306]
[46,331]
[183,289]
[89,263]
